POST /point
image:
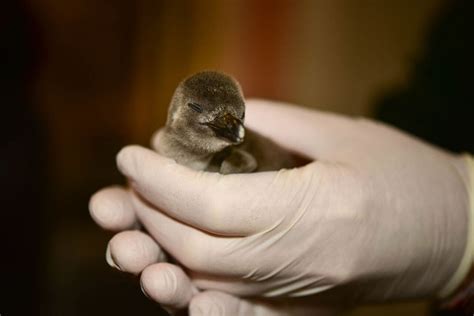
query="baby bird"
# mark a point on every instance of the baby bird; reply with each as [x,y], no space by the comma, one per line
[205,129]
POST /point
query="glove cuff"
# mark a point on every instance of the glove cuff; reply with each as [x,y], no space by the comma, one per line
[463,278]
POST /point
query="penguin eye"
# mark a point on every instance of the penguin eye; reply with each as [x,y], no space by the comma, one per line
[195,107]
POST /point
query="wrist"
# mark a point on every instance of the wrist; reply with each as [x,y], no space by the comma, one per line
[463,277]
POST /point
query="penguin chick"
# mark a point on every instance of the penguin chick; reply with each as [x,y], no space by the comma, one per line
[205,129]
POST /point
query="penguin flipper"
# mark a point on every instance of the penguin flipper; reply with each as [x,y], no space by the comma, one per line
[238,161]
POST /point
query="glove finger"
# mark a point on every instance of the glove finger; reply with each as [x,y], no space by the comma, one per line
[110,208]
[308,132]
[193,248]
[132,251]
[228,205]
[220,303]
[269,288]
[168,285]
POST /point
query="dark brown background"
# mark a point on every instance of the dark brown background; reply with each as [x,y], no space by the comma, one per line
[82,78]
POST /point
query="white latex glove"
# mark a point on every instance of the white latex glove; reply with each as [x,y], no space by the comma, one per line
[378,212]
[135,252]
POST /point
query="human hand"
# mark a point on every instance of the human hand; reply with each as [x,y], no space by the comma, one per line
[133,251]
[377,208]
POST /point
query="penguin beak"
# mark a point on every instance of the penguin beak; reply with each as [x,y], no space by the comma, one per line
[228,127]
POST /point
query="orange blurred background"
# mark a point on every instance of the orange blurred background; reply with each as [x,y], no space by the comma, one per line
[97,75]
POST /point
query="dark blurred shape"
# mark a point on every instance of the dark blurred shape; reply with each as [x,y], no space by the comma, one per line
[65,70]
[22,164]
[437,104]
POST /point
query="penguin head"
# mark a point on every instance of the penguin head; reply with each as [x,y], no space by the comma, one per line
[207,111]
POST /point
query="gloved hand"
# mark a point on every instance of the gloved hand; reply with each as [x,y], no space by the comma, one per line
[133,251]
[378,212]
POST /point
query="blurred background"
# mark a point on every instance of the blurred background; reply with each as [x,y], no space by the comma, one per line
[82,78]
